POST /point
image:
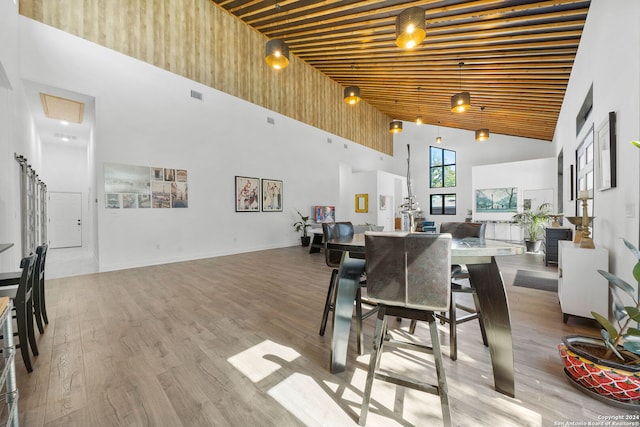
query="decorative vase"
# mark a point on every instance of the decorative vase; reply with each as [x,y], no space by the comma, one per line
[604,379]
[305,240]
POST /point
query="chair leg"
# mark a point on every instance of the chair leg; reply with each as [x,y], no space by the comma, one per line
[412,326]
[37,309]
[43,305]
[480,320]
[374,362]
[328,305]
[359,331]
[21,320]
[453,339]
[31,333]
[442,381]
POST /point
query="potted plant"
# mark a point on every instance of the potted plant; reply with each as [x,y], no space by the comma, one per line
[301,226]
[532,221]
[609,367]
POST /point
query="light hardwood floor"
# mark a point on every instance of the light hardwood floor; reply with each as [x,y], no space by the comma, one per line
[233,341]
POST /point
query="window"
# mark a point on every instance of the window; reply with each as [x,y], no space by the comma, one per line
[443,204]
[442,168]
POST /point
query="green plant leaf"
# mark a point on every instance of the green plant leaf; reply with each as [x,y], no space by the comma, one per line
[636,272]
[632,346]
[621,284]
[633,313]
[613,348]
[632,248]
[610,329]
[636,143]
[632,334]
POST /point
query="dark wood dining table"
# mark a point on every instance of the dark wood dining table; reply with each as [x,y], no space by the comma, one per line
[479,257]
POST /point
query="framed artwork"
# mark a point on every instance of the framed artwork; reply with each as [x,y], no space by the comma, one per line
[606,154]
[497,200]
[325,214]
[271,195]
[247,194]
[362,203]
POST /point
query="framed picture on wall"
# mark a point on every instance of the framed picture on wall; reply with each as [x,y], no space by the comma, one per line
[247,194]
[606,153]
[271,195]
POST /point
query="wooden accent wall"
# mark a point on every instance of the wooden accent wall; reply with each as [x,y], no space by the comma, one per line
[201,41]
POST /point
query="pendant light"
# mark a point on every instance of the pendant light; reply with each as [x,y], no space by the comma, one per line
[277,52]
[419,118]
[461,101]
[410,27]
[482,134]
[352,93]
[438,138]
[395,126]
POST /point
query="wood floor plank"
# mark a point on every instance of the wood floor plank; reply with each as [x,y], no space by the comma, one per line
[234,341]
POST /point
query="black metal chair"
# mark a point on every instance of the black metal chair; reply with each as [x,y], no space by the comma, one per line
[341,230]
[19,287]
[461,230]
[408,276]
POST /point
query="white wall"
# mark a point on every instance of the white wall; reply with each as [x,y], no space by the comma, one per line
[145,116]
[608,58]
[499,149]
[527,175]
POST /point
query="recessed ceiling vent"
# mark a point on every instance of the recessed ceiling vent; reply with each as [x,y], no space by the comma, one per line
[196,95]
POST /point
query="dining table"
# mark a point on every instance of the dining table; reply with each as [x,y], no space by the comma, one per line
[479,256]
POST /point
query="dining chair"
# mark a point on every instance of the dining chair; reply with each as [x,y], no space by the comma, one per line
[460,230]
[19,287]
[39,306]
[341,230]
[408,276]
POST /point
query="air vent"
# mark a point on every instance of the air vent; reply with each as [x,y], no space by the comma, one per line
[271,121]
[196,95]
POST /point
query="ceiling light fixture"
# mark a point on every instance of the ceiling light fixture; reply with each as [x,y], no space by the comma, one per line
[461,101]
[395,126]
[482,134]
[410,27]
[352,93]
[419,119]
[277,52]
[438,138]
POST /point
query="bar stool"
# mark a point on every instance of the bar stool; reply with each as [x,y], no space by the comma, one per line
[20,290]
[409,276]
[341,230]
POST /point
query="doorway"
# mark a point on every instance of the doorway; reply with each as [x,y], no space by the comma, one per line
[65,220]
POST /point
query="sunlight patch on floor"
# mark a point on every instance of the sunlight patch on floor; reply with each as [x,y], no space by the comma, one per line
[252,363]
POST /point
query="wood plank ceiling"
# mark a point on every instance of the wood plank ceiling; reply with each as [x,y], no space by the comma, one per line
[517,55]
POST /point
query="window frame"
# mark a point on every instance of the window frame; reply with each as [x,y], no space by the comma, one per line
[442,167]
[442,209]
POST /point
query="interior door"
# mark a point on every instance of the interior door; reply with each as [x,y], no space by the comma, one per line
[65,220]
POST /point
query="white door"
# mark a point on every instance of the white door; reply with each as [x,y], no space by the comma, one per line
[65,220]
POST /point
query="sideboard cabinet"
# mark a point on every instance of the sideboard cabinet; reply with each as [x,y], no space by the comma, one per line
[581,289]
[550,243]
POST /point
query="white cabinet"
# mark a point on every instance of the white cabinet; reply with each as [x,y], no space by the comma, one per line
[581,289]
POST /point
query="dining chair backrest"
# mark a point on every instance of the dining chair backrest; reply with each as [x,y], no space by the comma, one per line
[41,252]
[411,270]
[460,230]
[335,230]
[25,288]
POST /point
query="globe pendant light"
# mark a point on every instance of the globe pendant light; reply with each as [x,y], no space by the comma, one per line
[461,101]
[410,27]
[482,134]
[419,120]
[395,126]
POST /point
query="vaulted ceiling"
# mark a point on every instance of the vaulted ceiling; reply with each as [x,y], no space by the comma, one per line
[517,55]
